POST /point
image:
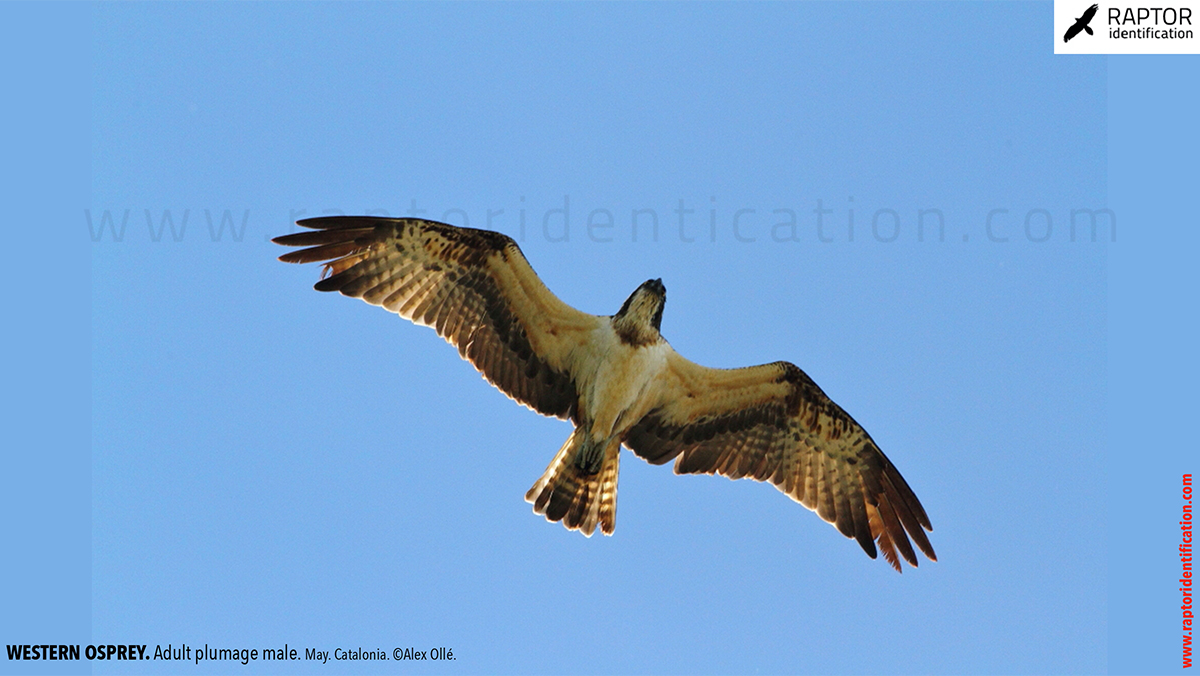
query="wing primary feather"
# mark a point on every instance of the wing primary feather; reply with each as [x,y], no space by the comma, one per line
[319,237]
[337,281]
[906,517]
[909,498]
[343,222]
[880,531]
[845,520]
[319,253]
[862,522]
[895,531]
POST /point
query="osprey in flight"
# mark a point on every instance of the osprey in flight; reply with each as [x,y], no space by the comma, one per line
[618,380]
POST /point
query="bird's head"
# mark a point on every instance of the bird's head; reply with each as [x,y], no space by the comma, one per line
[643,311]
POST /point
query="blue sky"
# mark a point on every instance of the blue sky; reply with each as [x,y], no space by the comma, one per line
[207,451]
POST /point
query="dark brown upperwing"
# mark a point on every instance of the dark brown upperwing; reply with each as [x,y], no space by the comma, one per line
[772,423]
[474,287]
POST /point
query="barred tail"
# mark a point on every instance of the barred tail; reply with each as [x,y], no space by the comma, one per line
[567,493]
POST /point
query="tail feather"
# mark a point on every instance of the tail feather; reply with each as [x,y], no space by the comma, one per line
[567,493]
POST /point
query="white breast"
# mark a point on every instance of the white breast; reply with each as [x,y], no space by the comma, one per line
[621,386]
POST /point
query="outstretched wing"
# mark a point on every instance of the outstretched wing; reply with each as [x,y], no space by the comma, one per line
[772,423]
[473,286]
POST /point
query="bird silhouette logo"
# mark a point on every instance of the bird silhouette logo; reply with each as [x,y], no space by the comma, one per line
[1081,24]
